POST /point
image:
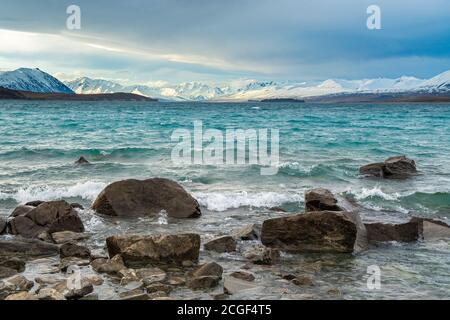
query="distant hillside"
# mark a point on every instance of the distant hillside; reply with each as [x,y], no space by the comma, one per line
[382,97]
[27,95]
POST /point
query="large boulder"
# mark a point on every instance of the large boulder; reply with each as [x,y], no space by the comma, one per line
[48,217]
[21,210]
[414,230]
[322,231]
[141,251]
[145,197]
[392,168]
[26,249]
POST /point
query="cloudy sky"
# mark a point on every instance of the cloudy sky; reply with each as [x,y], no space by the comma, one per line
[214,40]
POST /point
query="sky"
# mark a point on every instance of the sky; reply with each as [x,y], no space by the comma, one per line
[157,41]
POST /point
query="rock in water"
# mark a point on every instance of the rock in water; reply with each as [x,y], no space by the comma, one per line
[27,249]
[248,232]
[73,250]
[21,211]
[68,236]
[34,203]
[141,251]
[320,200]
[139,198]
[323,231]
[432,229]
[205,276]
[2,226]
[82,161]
[48,217]
[221,244]
[398,167]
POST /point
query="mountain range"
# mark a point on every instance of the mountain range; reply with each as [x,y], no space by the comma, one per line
[35,80]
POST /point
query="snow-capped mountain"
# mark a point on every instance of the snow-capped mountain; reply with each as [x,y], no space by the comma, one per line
[244,90]
[33,80]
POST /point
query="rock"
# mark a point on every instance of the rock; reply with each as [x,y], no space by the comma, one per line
[320,200]
[26,249]
[243,275]
[95,280]
[80,291]
[2,226]
[90,297]
[11,266]
[262,255]
[205,276]
[21,211]
[22,296]
[111,267]
[6,272]
[65,263]
[416,229]
[48,217]
[392,168]
[135,294]
[248,232]
[405,232]
[68,236]
[73,250]
[128,276]
[151,275]
[232,285]
[277,209]
[176,281]
[19,283]
[159,287]
[50,294]
[221,244]
[303,281]
[139,198]
[82,161]
[34,203]
[142,251]
[323,231]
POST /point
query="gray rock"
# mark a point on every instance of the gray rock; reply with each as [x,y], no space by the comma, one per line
[26,249]
[21,211]
[34,203]
[68,236]
[73,250]
[142,251]
[262,255]
[232,285]
[248,232]
[140,198]
[221,244]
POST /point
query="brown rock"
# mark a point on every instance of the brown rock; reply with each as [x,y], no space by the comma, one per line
[112,267]
[13,263]
[34,203]
[248,232]
[2,226]
[21,210]
[243,275]
[392,168]
[26,249]
[22,296]
[205,276]
[73,250]
[139,198]
[324,231]
[303,281]
[82,161]
[221,244]
[68,236]
[405,232]
[141,251]
[262,255]
[48,217]
[320,200]
[232,285]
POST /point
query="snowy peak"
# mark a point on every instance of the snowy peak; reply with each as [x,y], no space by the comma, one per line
[93,86]
[33,80]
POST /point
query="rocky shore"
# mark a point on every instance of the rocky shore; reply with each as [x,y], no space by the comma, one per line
[153,266]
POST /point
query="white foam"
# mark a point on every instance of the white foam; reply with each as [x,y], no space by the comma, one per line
[232,200]
[86,190]
[366,193]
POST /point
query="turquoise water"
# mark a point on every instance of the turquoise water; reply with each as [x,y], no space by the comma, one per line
[320,146]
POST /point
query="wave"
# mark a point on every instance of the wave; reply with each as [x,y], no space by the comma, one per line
[232,200]
[84,190]
[375,192]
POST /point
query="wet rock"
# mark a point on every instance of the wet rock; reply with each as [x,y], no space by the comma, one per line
[248,232]
[430,229]
[26,249]
[140,198]
[50,294]
[262,255]
[324,231]
[176,281]
[151,275]
[159,287]
[320,200]
[303,281]
[6,272]
[205,276]
[128,276]
[277,209]
[2,226]
[34,203]
[111,267]
[82,161]
[80,290]
[48,217]
[232,285]
[142,251]
[21,211]
[77,206]
[73,250]
[405,232]
[135,294]
[90,297]
[243,275]
[221,244]
[19,283]
[22,296]
[65,263]
[392,168]
[95,280]
[11,266]
[68,236]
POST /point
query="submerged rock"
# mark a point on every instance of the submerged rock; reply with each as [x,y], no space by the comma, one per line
[48,217]
[323,231]
[139,198]
[321,200]
[141,251]
[82,161]
[248,232]
[221,244]
[392,168]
